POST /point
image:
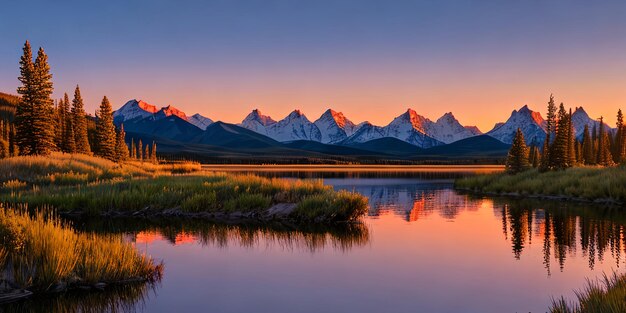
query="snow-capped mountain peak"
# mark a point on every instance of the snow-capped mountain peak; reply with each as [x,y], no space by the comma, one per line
[170,110]
[134,109]
[257,122]
[530,122]
[200,121]
[334,126]
[580,118]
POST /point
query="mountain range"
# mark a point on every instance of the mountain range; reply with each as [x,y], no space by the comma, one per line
[407,136]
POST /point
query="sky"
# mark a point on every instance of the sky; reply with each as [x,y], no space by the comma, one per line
[369,59]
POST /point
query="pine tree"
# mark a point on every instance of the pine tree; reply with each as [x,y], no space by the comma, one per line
[546,158]
[132,148]
[68,138]
[105,131]
[24,111]
[42,121]
[619,152]
[571,141]
[153,156]
[59,126]
[121,149]
[517,159]
[604,156]
[146,152]
[559,153]
[140,150]
[79,123]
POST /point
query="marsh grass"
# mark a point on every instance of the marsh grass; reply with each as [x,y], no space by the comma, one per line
[42,251]
[73,169]
[93,186]
[584,182]
[607,295]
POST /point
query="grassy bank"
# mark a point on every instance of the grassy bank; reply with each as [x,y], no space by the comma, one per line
[582,183]
[94,186]
[605,296]
[40,253]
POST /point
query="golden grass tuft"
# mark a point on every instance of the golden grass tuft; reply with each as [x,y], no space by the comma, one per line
[41,251]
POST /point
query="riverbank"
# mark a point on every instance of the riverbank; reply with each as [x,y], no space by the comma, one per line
[84,185]
[41,254]
[582,184]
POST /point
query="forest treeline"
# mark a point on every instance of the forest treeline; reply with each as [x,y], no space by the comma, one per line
[561,149]
[35,124]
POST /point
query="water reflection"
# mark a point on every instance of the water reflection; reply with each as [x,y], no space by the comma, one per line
[562,228]
[179,231]
[127,298]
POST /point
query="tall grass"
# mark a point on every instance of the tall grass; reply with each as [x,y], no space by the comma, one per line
[585,182]
[605,296]
[42,251]
[93,186]
[206,192]
[72,169]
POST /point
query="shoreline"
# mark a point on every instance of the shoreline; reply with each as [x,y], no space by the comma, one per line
[598,201]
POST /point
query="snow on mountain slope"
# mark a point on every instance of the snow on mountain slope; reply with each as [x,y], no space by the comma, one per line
[334,126]
[296,126]
[530,122]
[169,111]
[447,129]
[134,109]
[365,132]
[411,127]
[200,121]
[257,122]
[580,118]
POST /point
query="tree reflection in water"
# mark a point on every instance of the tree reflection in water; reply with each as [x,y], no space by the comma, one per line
[563,228]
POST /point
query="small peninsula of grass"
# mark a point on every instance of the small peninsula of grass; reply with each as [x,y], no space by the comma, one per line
[80,184]
[599,184]
[40,253]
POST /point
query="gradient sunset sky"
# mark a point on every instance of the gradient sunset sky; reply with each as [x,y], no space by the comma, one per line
[369,59]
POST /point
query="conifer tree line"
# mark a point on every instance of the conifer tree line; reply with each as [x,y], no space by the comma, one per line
[561,149]
[42,125]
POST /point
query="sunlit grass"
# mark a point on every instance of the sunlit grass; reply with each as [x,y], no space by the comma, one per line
[584,182]
[92,185]
[605,296]
[41,251]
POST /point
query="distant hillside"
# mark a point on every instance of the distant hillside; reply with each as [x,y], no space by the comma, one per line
[388,145]
[482,146]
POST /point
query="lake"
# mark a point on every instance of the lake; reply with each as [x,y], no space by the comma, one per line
[423,248]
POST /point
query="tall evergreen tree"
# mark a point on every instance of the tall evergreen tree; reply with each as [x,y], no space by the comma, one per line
[588,155]
[619,152]
[517,159]
[571,141]
[140,150]
[604,156]
[105,131]
[132,148]
[121,149]
[546,159]
[559,153]
[153,156]
[79,123]
[42,121]
[67,137]
[25,109]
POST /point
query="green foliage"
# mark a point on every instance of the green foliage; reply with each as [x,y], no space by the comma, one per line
[517,159]
[338,206]
[95,185]
[121,149]
[588,183]
[79,124]
[105,132]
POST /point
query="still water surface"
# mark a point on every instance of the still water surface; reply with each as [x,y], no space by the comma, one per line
[423,248]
